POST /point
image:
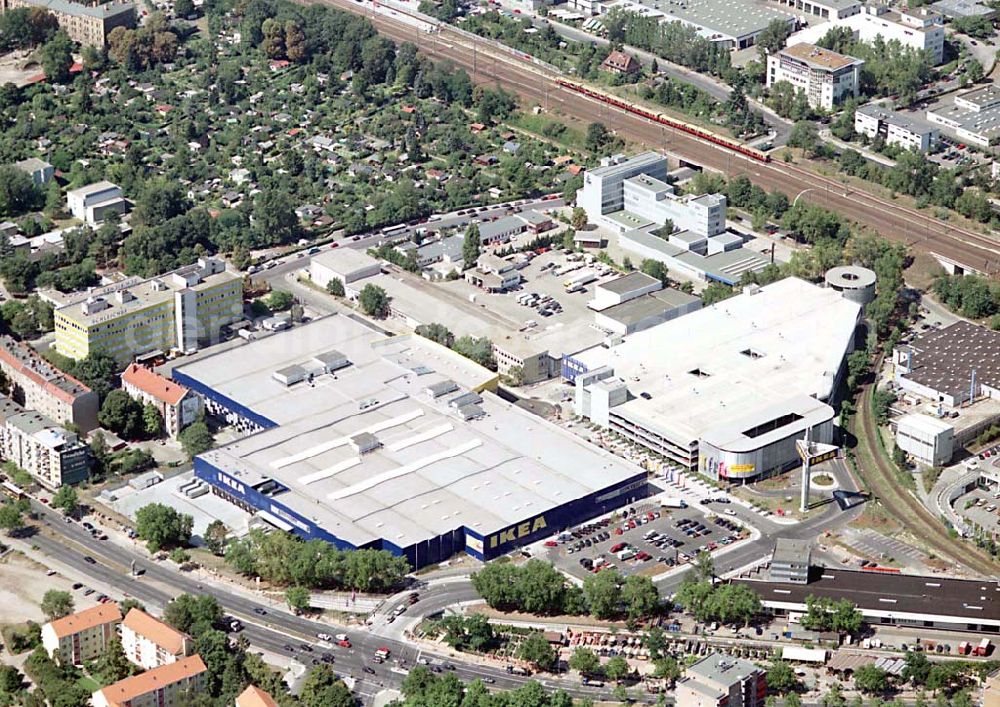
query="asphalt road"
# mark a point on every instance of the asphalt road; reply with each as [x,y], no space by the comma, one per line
[68,543]
[486,65]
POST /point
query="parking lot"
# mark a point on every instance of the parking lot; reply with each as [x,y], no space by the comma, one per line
[982,507]
[645,539]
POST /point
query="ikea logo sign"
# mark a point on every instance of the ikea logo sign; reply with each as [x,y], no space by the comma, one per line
[516,532]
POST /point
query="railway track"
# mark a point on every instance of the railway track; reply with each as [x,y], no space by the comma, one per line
[880,478]
[975,251]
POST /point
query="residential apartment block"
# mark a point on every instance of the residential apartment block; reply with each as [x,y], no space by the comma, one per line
[40,171]
[180,310]
[178,406]
[38,385]
[53,455]
[825,77]
[88,24]
[150,643]
[907,131]
[82,636]
[160,687]
[722,681]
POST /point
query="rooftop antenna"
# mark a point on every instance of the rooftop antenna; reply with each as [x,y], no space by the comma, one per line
[804,501]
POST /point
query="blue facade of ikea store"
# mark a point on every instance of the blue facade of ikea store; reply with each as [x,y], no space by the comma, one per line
[224,401]
[440,548]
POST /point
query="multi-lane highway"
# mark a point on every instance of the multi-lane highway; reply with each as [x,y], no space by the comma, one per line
[487,65]
[268,626]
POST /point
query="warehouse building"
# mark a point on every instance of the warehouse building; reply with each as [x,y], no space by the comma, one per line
[732,385]
[890,598]
[953,366]
[399,445]
[732,24]
[635,302]
[827,9]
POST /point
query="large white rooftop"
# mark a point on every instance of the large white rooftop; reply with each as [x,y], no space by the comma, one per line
[368,453]
[744,354]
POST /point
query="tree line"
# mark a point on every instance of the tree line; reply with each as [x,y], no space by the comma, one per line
[538,588]
[284,559]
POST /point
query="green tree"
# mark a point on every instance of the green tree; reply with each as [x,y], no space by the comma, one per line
[180,556]
[602,592]
[617,668]
[436,332]
[773,38]
[193,614]
[183,8]
[65,499]
[804,135]
[917,668]
[584,661]
[57,57]
[112,665]
[161,526]
[18,193]
[298,598]
[479,350]
[668,668]
[196,439]
[597,138]
[716,292]
[10,518]
[871,679]
[579,218]
[215,536]
[274,218]
[322,688]
[57,604]
[536,649]
[152,421]
[121,414]
[640,596]
[11,680]
[471,244]
[374,301]
[280,300]
[781,677]
[335,287]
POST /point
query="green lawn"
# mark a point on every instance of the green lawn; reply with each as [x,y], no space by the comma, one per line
[89,683]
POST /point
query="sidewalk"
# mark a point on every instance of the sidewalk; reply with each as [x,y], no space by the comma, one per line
[868,154]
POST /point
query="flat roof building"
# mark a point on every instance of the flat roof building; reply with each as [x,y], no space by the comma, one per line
[918,29]
[954,9]
[908,131]
[40,171]
[927,439]
[974,116]
[53,455]
[732,386]
[181,310]
[720,258]
[927,602]
[826,9]
[733,24]
[825,77]
[790,561]
[954,365]
[92,203]
[345,264]
[379,455]
[719,680]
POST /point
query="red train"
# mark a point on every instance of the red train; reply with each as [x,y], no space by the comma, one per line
[663,119]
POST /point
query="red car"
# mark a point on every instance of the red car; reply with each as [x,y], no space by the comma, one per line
[643,556]
[551,543]
[344,643]
[619,547]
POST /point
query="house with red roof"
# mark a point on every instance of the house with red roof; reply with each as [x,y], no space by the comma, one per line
[178,405]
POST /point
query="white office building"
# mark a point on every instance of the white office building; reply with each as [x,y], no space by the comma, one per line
[927,439]
[974,116]
[825,77]
[921,30]
[623,194]
[895,128]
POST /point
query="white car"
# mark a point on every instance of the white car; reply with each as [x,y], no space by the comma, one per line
[324,637]
[729,512]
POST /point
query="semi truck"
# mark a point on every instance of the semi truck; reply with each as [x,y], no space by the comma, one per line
[580,279]
[673,503]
